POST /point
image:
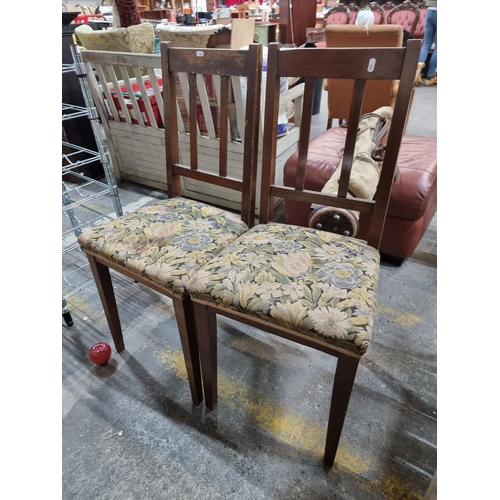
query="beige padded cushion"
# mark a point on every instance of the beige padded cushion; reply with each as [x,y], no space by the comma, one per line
[186,36]
[139,38]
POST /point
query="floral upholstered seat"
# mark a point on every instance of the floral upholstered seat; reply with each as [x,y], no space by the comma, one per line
[165,242]
[314,283]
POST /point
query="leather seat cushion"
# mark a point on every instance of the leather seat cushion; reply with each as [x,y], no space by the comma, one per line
[411,193]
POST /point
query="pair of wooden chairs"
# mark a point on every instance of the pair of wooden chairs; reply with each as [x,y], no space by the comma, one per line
[310,286]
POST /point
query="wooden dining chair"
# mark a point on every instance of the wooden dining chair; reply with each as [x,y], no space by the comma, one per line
[312,287]
[161,246]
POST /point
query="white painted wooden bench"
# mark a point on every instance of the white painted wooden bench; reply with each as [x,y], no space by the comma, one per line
[135,136]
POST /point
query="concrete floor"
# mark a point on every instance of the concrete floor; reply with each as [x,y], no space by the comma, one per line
[129,430]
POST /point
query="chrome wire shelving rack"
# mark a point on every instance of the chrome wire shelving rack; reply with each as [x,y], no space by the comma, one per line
[82,204]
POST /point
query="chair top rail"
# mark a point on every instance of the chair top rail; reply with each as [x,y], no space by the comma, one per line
[343,63]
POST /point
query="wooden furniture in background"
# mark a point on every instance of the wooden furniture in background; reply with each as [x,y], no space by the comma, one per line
[378,12]
[407,14]
[353,10]
[339,14]
[294,21]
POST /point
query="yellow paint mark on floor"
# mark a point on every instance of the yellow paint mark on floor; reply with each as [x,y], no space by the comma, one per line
[78,302]
[395,489]
[404,319]
[289,426]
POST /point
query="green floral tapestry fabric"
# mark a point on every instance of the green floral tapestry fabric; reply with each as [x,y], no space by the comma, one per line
[165,242]
[317,283]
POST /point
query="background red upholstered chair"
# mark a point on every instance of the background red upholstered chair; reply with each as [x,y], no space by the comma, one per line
[418,31]
[338,15]
[406,14]
[378,12]
[353,9]
[387,6]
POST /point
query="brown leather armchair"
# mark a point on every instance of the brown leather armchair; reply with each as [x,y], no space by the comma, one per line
[413,200]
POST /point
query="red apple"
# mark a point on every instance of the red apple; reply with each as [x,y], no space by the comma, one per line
[100,353]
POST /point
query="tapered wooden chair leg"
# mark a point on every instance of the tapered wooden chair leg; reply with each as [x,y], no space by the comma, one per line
[206,326]
[184,315]
[104,286]
[342,387]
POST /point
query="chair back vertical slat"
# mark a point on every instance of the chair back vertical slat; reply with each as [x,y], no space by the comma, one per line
[305,130]
[116,85]
[223,97]
[193,122]
[251,136]
[350,144]
[270,129]
[105,88]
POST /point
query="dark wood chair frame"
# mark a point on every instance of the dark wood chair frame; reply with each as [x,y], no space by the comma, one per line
[375,7]
[349,63]
[353,11]
[225,63]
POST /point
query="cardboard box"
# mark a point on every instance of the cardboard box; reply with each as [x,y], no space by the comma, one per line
[140,102]
[201,119]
